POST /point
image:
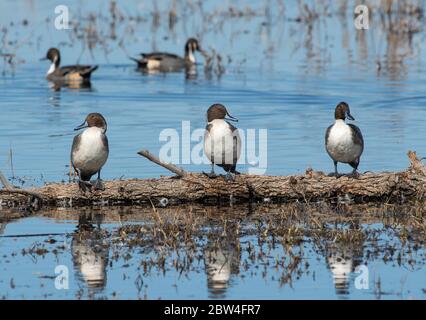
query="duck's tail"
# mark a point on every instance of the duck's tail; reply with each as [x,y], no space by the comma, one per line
[141,62]
[88,71]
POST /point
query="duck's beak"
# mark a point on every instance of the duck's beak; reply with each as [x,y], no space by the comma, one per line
[349,116]
[202,51]
[43,59]
[231,118]
[81,126]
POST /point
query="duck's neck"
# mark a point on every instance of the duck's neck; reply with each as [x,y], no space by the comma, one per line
[52,68]
[189,55]
[216,121]
[54,65]
[340,122]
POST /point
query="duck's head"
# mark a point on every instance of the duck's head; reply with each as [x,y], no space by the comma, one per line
[93,120]
[342,112]
[53,55]
[218,111]
[191,46]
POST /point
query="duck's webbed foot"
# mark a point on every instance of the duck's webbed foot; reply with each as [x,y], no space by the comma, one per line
[211,175]
[335,174]
[99,185]
[355,174]
[229,177]
[84,185]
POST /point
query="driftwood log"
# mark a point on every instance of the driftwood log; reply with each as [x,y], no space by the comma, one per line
[385,187]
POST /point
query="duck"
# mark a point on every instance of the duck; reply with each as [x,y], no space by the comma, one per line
[89,151]
[344,142]
[169,62]
[73,73]
[222,142]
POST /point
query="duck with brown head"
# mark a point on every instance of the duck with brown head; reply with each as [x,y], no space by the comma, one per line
[168,62]
[344,142]
[222,142]
[90,151]
[74,73]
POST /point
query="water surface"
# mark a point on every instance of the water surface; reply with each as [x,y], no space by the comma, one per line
[192,252]
[282,78]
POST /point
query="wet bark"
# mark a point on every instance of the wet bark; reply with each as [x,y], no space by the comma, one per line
[385,187]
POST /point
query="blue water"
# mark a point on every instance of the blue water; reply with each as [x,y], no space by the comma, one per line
[290,91]
[279,76]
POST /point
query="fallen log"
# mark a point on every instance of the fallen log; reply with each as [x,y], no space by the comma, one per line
[385,187]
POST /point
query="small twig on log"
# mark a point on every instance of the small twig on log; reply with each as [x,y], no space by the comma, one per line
[9,188]
[416,163]
[5,182]
[171,167]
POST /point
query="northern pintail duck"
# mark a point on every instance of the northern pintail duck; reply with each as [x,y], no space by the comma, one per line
[168,62]
[90,150]
[222,142]
[74,73]
[344,142]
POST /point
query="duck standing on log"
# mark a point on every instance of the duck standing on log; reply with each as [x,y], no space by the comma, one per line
[222,142]
[90,151]
[344,142]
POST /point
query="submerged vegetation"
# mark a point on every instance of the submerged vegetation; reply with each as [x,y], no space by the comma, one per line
[274,242]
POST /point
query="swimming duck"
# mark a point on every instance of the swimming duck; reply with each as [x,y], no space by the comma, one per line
[90,150]
[344,142]
[168,62]
[222,142]
[75,73]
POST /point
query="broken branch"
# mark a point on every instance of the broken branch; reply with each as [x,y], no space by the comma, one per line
[171,167]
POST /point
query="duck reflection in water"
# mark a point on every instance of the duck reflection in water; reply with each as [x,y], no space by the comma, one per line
[342,259]
[89,252]
[222,261]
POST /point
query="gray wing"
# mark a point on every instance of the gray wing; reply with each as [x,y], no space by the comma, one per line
[327,133]
[357,135]
[74,147]
[82,70]
[208,127]
[105,142]
[235,151]
[159,56]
